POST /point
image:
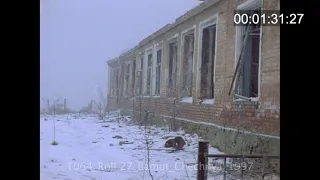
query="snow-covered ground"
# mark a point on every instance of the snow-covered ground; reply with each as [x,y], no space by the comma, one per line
[112,150]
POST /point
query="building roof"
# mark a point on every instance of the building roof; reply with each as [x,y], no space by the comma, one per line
[189,14]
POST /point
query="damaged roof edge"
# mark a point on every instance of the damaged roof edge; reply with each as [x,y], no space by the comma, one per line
[189,14]
[123,55]
[129,52]
[155,34]
[110,61]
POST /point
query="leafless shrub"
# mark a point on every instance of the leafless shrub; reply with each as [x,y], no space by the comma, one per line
[85,109]
[101,104]
[56,106]
[147,140]
[172,93]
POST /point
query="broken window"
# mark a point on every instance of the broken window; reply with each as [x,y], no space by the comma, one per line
[207,62]
[133,75]
[149,71]
[110,81]
[158,72]
[117,81]
[187,66]
[173,48]
[113,82]
[247,79]
[140,76]
[127,76]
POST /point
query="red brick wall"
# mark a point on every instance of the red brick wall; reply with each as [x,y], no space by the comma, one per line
[262,116]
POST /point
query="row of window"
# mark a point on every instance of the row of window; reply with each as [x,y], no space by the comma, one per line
[149,78]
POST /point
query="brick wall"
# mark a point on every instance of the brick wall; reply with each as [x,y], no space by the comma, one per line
[262,116]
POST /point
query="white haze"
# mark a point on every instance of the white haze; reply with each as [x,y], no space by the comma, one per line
[78,36]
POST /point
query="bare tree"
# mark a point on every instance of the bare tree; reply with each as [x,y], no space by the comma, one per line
[47,102]
[147,139]
[56,105]
[146,122]
[52,109]
[172,92]
[101,104]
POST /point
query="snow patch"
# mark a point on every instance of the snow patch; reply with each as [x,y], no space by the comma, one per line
[186,100]
[87,149]
[208,101]
[239,100]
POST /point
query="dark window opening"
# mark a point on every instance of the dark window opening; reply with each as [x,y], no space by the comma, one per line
[207,63]
[114,81]
[117,82]
[140,76]
[127,76]
[248,78]
[173,48]
[133,75]
[149,71]
[187,66]
[158,72]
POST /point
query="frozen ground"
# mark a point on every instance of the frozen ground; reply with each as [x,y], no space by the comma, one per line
[91,149]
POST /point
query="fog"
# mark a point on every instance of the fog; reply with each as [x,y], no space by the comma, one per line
[77,37]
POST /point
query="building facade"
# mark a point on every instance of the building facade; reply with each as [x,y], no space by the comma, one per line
[190,71]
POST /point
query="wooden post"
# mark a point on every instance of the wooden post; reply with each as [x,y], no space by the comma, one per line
[202,160]
[225,168]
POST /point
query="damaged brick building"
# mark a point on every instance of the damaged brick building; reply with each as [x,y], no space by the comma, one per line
[189,73]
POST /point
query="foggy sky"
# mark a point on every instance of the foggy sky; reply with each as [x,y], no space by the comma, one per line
[78,36]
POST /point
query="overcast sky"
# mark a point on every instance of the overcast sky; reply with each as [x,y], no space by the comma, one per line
[78,36]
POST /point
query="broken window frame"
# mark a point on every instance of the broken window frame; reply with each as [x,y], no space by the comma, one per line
[172,67]
[126,79]
[140,88]
[243,76]
[110,83]
[187,72]
[149,73]
[206,93]
[158,71]
[113,81]
[117,81]
[133,76]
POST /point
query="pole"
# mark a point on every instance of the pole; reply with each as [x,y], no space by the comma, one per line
[202,160]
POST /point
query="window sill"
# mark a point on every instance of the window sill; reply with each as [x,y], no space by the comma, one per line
[248,99]
[149,96]
[254,102]
[186,100]
[207,101]
[156,96]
